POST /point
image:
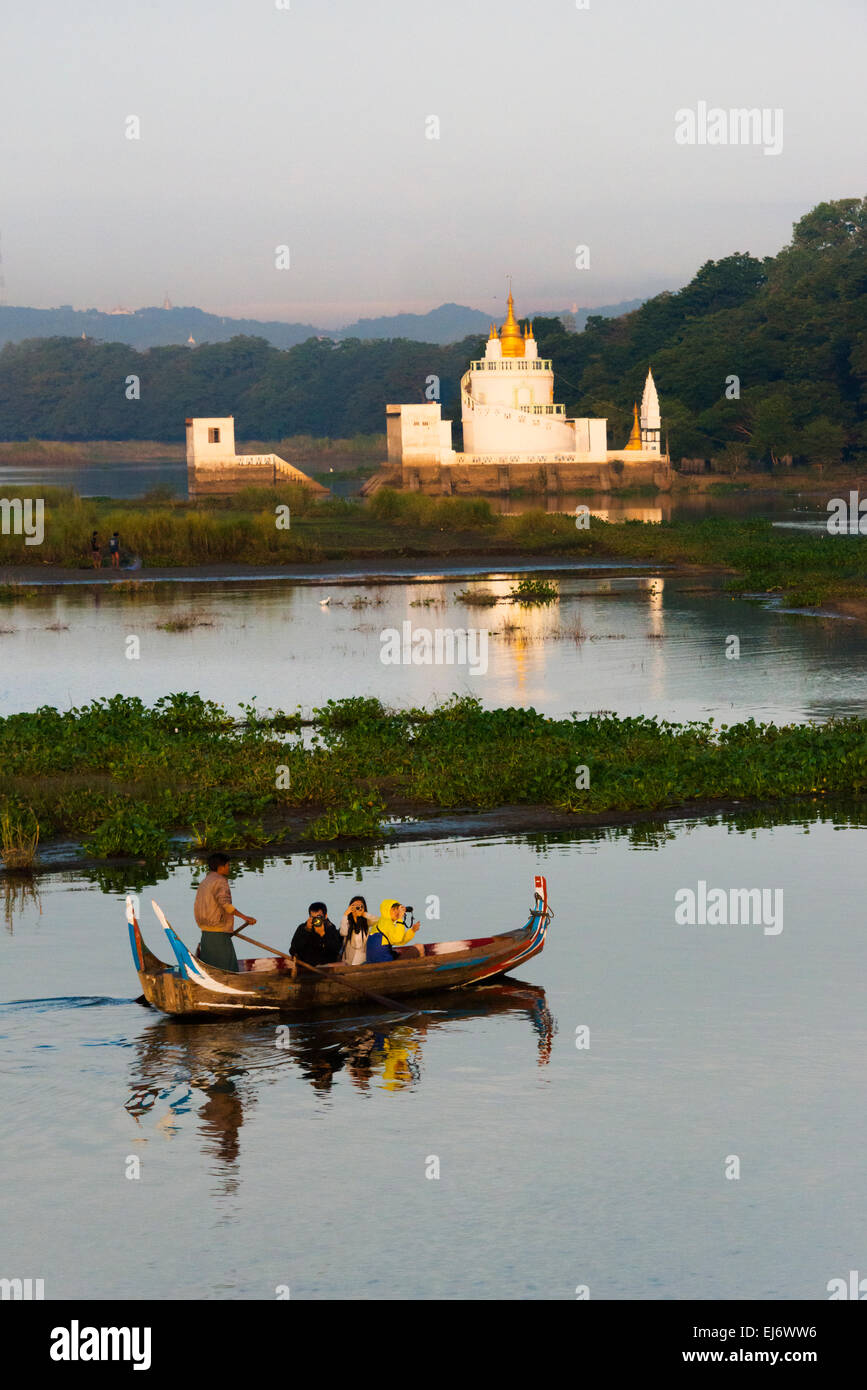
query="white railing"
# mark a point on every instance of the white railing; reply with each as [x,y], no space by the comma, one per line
[470,403]
[512,364]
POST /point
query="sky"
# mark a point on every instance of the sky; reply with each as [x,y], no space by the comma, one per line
[305,124]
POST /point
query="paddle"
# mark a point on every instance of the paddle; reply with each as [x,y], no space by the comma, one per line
[368,994]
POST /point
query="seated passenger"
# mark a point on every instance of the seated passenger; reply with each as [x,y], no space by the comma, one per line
[316,941]
[354,927]
[390,931]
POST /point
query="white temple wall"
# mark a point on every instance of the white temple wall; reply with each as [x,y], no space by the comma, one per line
[499,430]
[210,439]
[417,433]
[512,386]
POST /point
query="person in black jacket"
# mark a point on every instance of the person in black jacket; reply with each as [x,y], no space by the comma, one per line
[316,941]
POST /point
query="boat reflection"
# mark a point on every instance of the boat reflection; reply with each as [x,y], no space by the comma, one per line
[217,1069]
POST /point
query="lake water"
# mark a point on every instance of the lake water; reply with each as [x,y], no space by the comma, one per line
[104,479]
[305,1166]
[639,644]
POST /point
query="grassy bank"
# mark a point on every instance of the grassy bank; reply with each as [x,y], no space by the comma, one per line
[809,568]
[124,778]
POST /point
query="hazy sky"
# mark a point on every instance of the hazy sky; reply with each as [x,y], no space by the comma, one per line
[306,126]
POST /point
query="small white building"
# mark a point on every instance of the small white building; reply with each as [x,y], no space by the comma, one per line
[418,434]
[211,456]
[509,415]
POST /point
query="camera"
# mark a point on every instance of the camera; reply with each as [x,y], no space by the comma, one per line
[318,920]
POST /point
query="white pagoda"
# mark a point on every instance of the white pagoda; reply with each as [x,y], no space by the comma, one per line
[509,415]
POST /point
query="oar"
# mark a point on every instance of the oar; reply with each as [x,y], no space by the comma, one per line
[368,994]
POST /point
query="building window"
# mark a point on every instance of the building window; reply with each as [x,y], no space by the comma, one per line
[213,436]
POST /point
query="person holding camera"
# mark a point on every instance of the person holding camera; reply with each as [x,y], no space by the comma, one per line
[316,941]
[354,927]
[391,930]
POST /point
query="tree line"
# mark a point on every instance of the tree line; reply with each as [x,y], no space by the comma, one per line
[754,360]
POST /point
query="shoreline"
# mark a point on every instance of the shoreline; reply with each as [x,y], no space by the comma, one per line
[452,825]
[365,568]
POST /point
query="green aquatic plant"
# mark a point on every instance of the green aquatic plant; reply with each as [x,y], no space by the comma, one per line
[529,590]
[128,779]
[129,830]
[185,622]
[10,593]
[362,820]
[476,598]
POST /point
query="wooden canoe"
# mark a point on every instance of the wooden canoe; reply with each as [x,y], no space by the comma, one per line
[266,985]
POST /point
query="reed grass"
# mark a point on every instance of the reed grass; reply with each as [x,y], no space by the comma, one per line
[476,598]
[18,842]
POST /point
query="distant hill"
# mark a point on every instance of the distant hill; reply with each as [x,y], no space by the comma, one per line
[447,324]
[451,322]
[146,328]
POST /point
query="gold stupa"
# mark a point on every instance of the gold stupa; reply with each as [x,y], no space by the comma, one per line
[634,441]
[511,338]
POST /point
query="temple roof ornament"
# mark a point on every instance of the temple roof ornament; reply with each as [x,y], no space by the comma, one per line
[634,441]
[650,404]
[510,334]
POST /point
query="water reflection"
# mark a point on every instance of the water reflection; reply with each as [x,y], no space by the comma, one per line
[18,895]
[215,1069]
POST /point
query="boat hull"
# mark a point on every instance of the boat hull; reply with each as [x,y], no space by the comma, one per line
[193,988]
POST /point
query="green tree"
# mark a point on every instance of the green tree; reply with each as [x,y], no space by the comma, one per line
[822,441]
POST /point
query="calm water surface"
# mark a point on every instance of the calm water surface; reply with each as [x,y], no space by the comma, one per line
[104,479]
[305,1165]
[634,645]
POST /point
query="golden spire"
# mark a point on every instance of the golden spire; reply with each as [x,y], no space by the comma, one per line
[634,441]
[510,333]
[493,333]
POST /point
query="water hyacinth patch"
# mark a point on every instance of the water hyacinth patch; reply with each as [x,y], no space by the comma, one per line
[128,779]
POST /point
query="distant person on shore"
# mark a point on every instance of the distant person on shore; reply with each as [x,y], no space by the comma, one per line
[114,550]
[95,551]
[215,915]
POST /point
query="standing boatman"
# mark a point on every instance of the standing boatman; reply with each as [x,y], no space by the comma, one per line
[215,915]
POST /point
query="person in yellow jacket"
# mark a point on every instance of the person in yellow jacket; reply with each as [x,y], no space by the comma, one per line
[389,931]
